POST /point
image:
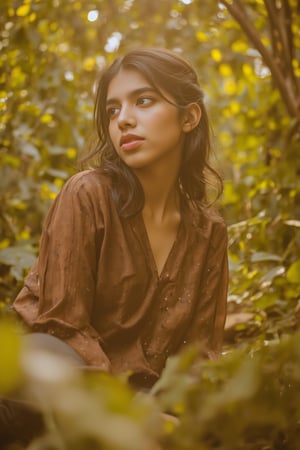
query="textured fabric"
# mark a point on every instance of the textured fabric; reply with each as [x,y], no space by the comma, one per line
[95,284]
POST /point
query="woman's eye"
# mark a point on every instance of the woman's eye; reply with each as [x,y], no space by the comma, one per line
[145,100]
[111,112]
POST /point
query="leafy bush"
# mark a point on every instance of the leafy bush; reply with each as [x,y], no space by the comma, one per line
[245,400]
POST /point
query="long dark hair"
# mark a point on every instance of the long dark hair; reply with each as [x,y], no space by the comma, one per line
[170,73]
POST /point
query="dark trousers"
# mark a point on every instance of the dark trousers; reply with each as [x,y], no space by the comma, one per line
[19,421]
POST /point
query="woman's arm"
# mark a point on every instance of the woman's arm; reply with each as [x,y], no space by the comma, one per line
[59,291]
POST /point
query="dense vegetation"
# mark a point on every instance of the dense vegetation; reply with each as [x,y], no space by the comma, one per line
[247,55]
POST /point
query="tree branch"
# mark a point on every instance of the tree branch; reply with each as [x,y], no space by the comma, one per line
[237,10]
[290,42]
[287,13]
[282,40]
[279,31]
[275,32]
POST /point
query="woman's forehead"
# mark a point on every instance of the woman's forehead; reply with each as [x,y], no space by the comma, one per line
[127,79]
[131,82]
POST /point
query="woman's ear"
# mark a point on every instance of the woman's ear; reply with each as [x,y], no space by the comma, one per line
[191,117]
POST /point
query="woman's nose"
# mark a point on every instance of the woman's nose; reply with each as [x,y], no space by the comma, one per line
[126,118]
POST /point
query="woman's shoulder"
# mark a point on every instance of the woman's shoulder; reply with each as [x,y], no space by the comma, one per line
[203,213]
[90,180]
[207,220]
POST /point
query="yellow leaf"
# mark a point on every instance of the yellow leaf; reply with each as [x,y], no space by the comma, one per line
[230,87]
[23,236]
[5,243]
[216,55]
[247,69]
[89,64]
[272,124]
[53,26]
[226,112]
[21,206]
[169,427]
[52,195]
[225,70]
[12,161]
[235,107]
[275,152]
[225,138]
[32,17]
[230,195]
[58,182]
[251,113]
[46,118]
[201,37]
[46,192]
[77,6]
[23,10]
[71,153]
[266,41]
[239,46]
[293,273]
[18,77]
[179,408]
[252,141]
[248,72]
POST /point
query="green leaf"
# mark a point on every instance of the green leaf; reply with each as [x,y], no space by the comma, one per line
[273,273]
[293,273]
[19,258]
[264,256]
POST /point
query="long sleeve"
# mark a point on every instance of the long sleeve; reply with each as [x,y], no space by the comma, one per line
[59,292]
[209,317]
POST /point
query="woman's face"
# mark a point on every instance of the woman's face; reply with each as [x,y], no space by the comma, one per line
[145,129]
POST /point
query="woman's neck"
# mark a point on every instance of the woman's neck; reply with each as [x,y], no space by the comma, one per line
[161,194]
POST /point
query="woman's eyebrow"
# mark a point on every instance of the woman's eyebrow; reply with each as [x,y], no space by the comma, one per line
[134,93]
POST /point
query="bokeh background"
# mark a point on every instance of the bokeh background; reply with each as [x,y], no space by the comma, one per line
[247,56]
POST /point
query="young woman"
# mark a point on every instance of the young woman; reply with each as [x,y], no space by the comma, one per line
[133,261]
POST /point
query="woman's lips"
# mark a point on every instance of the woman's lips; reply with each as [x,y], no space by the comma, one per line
[130,142]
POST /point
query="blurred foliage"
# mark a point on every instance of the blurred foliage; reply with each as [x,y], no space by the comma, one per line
[245,400]
[82,410]
[247,55]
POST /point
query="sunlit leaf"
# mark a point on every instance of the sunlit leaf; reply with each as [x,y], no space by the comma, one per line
[293,223]
[293,273]
[23,10]
[264,256]
[216,55]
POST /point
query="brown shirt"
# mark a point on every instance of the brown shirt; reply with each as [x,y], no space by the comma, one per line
[95,283]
